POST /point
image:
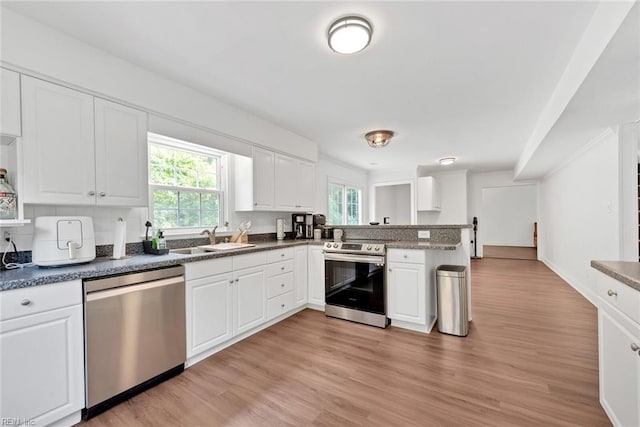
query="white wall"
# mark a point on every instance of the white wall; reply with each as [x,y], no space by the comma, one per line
[579,218]
[393,201]
[390,177]
[453,199]
[509,215]
[329,169]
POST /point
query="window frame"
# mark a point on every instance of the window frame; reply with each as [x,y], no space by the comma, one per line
[221,178]
[345,187]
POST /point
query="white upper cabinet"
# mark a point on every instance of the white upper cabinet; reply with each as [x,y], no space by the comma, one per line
[273,182]
[121,155]
[428,194]
[263,178]
[294,184]
[9,103]
[58,150]
[286,186]
[75,154]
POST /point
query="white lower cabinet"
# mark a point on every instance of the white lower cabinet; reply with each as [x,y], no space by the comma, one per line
[42,355]
[209,320]
[619,350]
[406,288]
[315,276]
[249,299]
[619,342]
[301,290]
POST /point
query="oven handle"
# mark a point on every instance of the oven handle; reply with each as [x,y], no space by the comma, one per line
[330,256]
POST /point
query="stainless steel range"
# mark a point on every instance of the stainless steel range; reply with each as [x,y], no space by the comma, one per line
[355,282]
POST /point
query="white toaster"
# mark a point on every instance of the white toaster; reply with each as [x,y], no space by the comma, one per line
[63,240]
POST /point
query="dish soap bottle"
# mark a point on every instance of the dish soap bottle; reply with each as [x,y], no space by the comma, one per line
[8,200]
[162,243]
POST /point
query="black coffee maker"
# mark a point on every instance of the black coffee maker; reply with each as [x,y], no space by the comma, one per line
[302,226]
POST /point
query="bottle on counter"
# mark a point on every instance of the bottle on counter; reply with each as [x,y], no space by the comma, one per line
[162,243]
[8,199]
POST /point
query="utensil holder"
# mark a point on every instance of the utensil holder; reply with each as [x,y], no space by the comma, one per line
[146,245]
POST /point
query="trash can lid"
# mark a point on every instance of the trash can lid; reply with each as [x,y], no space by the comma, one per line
[451,270]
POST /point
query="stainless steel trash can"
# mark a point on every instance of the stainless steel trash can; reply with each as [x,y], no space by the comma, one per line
[453,309]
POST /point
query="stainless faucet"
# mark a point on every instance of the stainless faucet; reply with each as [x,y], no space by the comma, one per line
[211,234]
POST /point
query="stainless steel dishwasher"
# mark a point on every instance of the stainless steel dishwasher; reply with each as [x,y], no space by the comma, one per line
[134,334]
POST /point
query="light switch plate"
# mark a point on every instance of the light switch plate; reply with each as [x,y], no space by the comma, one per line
[424,234]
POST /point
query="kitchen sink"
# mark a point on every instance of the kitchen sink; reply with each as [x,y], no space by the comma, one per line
[188,251]
[211,248]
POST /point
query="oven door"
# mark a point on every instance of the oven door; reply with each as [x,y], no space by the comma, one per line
[355,281]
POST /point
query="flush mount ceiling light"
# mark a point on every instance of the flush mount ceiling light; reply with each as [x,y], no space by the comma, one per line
[446,161]
[350,34]
[378,138]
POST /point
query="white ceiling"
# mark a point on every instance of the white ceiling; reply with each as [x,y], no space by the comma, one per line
[465,79]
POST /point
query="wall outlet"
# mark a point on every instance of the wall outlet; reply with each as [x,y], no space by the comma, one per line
[424,234]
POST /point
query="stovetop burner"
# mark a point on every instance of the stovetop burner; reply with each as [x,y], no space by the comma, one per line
[355,247]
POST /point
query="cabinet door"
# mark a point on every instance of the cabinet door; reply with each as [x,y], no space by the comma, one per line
[42,366]
[428,192]
[58,144]
[619,368]
[209,306]
[306,185]
[9,103]
[121,155]
[316,276]
[250,299]
[263,178]
[406,287]
[300,276]
[286,183]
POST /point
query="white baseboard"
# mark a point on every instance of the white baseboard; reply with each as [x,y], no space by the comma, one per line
[576,284]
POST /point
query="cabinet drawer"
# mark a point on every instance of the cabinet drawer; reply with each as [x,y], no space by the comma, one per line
[279,284]
[280,254]
[249,260]
[36,299]
[619,295]
[416,256]
[209,267]
[279,305]
[280,268]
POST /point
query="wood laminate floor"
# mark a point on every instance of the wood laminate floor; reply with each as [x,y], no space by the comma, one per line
[510,252]
[530,360]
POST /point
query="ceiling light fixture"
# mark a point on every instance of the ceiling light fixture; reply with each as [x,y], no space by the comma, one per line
[446,161]
[378,138]
[349,35]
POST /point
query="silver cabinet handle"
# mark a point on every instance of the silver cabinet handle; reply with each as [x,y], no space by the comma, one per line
[255,204]
[634,347]
[612,293]
[282,285]
[102,194]
[281,255]
[406,256]
[389,270]
[281,268]
[237,280]
[231,281]
[282,305]
[92,193]
[25,302]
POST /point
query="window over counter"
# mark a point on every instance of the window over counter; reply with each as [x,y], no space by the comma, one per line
[187,184]
[345,204]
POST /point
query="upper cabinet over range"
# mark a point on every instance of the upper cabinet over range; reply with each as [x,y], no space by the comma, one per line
[273,182]
[81,150]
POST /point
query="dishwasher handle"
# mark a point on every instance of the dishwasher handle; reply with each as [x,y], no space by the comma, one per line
[108,293]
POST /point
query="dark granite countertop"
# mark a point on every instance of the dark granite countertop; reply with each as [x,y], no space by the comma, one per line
[627,272]
[100,267]
[408,227]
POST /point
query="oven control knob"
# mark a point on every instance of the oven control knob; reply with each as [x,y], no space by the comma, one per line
[369,247]
[377,248]
[335,245]
[328,245]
